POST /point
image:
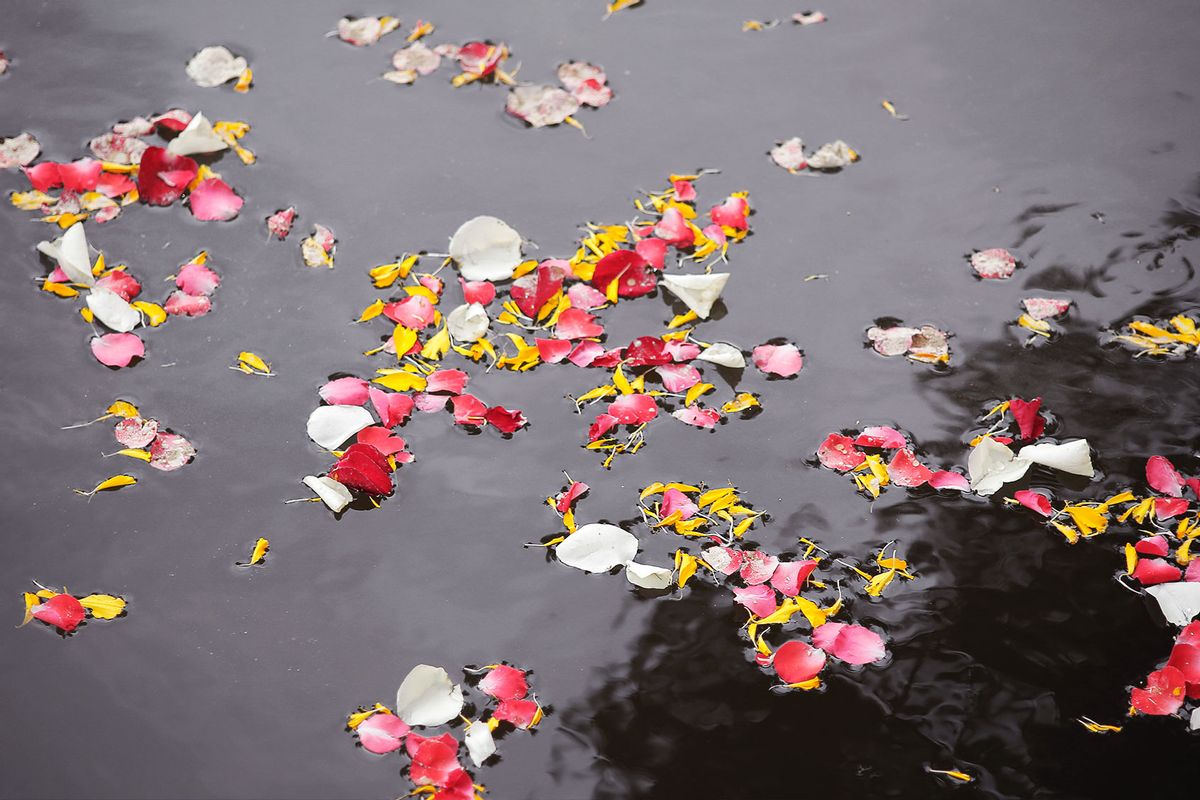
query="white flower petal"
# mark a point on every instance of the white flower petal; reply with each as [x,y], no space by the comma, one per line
[991,465]
[648,577]
[330,426]
[480,744]
[197,137]
[215,65]
[698,292]
[1073,457]
[332,493]
[723,355]
[71,253]
[468,323]
[113,311]
[427,696]
[1179,601]
[486,249]
[597,548]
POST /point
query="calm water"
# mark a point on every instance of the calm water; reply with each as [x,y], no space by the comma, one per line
[1066,131]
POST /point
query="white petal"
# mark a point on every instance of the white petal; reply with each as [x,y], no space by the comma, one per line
[215,65]
[468,323]
[718,558]
[991,465]
[698,292]
[197,137]
[71,253]
[597,548]
[486,249]
[332,493]
[1073,457]
[723,355]
[480,744]
[113,311]
[647,577]
[1195,724]
[1179,601]
[329,426]
[427,696]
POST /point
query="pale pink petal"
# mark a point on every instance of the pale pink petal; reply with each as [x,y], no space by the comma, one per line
[881,436]
[757,567]
[945,479]
[784,360]
[760,600]
[188,305]
[214,201]
[197,279]
[853,644]
[1045,307]
[117,349]
[415,312]
[382,733]
[586,297]
[135,432]
[345,392]
[723,559]
[789,576]
[995,263]
[429,403]
[585,353]
[698,416]
[170,451]
[674,229]
[675,500]
[1163,477]
[678,377]
[682,351]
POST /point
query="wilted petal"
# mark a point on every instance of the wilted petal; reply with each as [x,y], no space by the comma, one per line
[645,576]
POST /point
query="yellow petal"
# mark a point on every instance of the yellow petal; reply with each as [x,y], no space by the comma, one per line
[121,408]
[260,551]
[103,606]
[401,381]
[115,482]
[155,314]
[253,361]
[143,455]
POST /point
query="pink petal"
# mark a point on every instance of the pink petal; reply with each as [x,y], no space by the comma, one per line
[566,499]
[789,576]
[1167,507]
[1151,571]
[197,279]
[1030,422]
[80,176]
[733,213]
[853,644]
[44,176]
[280,223]
[905,470]
[119,282]
[135,432]
[428,403]
[575,323]
[117,349]
[415,312]
[1163,694]
[995,263]
[505,683]
[170,451]
[796,662]
[345,392]
[654,251]
[382,733]
[675,500]
[881,436]
[214,201]
[155,167]
[838,453]
[1153,546]
[1163,477]
[431,282]
[631,409]
[683,351]
[678,377]
[606,422]
[674,229]
[698,416]
[1045,307]
[519,712]
[112,184]
[392,408]
[62,611]
[434,759]
[1192,575]
[505,420]
[1035,501]
[586,297]
[685,191]
[593,93]
[757,567]
[723,559]
[760,600]
[468,410]
[183,304]
[446,380]
[553,351]
[482,292]
[383,440]
[784,360]
[944,479]
[1186,659]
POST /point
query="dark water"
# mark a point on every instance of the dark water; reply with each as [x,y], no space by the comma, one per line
[1066,131]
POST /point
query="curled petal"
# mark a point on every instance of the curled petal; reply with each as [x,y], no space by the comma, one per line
[796,662]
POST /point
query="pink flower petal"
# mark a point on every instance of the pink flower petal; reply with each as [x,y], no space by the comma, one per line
[44,176]
[392,408]
[905,470]
[674,229]
[1153,546]
[566,499]
[117,349]
[1035,501]
[553,351]
[189,305]
[280,223]
[789,576]
[153,189]
[504,683]
[382,733]
[602,425]
[944,479]
[135,432]
[468,410]
[520,713]
[586,297]
[678,377]
[698,416]
[434,759]
[415,312]
[682,351]
[446,380]
[733,213]
[196,278]
[647,351]
[995,263]
[757,567]
[481,292]
[1186,659]
[428,403]
[853,644]
[838,453]
[653,251]
[632,409]
[1152,571]
[675,500]
[881,436]
[629,270]
[1167,507]
[685,191]
[62,611]
[170,451]
[1045,307]
[383,440]
[1163,694]
[345,392]
[575,323]
[505,420]
[1163,477]
[796,662]
[80,176]
[784,360]
[214,201]
[723,559]
[593,93]
[121,283]
[760,600]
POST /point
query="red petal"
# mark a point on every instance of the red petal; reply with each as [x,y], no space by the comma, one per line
[446,380]
[362,471]
[1186,659]
[434,760]
[392,408]
[606,422]
[790,576]
[1163,694]
[1163,477]
[120,282]
[1167,507]
[468,410]
[629,270]
[647,351]
[1028,419]
[632,409]
[482,292]
[44,176]
[383,440]
[905,470]
[585,353]
[837,452]
[505,683]
[566,499]
[797,661]
[1150,571]
[505,420]
[552,351]
[653,252]
[113,184]
[1153,546]
[519,712]
[533,291]
[62,611]
[685,191]
[80,176]
[152,189]
[1034,501]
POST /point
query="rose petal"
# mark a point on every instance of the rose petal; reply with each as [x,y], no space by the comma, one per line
[117,349]
[853,644]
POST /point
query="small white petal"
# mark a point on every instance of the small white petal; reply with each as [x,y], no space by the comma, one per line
[427,696]
[330,426]
[332,493]
[648,577]
[991,465]
[486,249]
[698,292]
[113,311]
[723,355]
[1073,457]
[468,323]
[197,137]
[215,65]
[71,253]
[1179,601]
[480,744]
[597,548]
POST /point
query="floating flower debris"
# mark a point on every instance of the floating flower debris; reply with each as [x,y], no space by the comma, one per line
[889,107]
[1040,316]
[994,264]
[259,554]
[771,588]
[18,151]
[216,65]
[364,31]
[926,344]
[110,295]
[279,224]
[317,250]
[831,157]
[1175,338]
[252,364]
[809,18]
[878,456]
[65,612]
[126,169]
[615,6]
[539,106]
[143,439]
[427,698]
